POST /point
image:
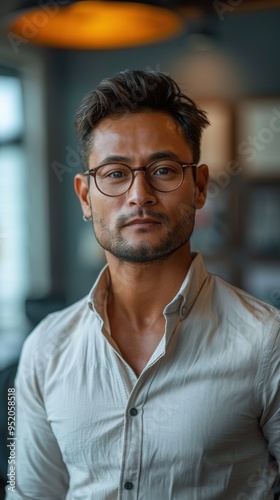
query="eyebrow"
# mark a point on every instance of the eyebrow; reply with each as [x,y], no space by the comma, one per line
[158,155]
[163,154]
[115,159]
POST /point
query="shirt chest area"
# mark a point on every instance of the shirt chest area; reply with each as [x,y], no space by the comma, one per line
[178,408]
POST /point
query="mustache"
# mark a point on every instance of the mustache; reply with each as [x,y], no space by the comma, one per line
[142,212]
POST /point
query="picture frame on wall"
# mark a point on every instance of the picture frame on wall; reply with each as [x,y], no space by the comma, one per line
[262,226]
[258,137]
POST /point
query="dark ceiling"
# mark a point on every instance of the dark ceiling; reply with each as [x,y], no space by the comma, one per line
[188,7]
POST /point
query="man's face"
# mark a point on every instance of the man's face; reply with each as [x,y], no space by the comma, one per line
[142,225]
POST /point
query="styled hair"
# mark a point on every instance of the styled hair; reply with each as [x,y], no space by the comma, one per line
[134,91]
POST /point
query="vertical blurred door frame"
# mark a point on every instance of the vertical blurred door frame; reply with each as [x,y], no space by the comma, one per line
[31,71]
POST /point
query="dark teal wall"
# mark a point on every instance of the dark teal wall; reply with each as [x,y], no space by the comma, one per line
[249,41]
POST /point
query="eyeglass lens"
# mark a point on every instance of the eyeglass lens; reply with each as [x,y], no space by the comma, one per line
[115,179]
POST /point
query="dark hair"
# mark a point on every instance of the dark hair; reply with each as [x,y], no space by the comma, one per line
[134,91]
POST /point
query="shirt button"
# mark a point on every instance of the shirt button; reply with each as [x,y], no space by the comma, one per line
[133,412]
[128,485]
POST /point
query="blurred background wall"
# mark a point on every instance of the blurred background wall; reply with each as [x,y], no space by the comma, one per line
[227,59]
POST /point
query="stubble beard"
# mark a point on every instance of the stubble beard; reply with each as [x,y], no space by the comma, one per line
[144,252]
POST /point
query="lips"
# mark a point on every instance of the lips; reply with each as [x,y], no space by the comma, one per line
[141,218]
[142,221]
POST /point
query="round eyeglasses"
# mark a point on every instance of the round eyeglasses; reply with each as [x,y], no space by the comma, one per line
[115,179]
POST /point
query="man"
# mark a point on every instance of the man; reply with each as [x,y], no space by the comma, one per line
[164,382]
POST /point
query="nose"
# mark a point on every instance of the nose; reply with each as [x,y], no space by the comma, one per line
[141,193]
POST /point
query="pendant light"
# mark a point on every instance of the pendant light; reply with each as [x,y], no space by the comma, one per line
[90,24]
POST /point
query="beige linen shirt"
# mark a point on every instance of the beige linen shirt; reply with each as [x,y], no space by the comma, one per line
[201,422]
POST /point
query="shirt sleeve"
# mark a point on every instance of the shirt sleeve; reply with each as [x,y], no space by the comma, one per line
[270,419]
[40,471]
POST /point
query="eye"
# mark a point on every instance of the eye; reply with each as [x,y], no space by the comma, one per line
[117,174]
[113,172]
[164,170]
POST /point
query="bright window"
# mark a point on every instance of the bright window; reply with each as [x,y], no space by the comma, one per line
[14,271]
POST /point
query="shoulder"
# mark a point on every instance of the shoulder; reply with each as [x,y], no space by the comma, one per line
[242,309]
[58,328]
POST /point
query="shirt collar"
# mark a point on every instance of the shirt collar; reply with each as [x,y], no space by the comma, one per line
[181,303]
[98,296]
[190,288]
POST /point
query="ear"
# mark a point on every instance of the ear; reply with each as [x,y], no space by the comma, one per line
[202,178]
[82,191]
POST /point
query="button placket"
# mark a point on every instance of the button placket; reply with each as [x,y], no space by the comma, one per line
[133,438]
[131,455]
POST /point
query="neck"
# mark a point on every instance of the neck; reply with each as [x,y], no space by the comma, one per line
[141,290]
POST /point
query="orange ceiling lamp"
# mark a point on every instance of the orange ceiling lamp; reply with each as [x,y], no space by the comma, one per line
[96,25]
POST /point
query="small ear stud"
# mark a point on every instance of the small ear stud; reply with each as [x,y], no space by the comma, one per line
[86,219]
